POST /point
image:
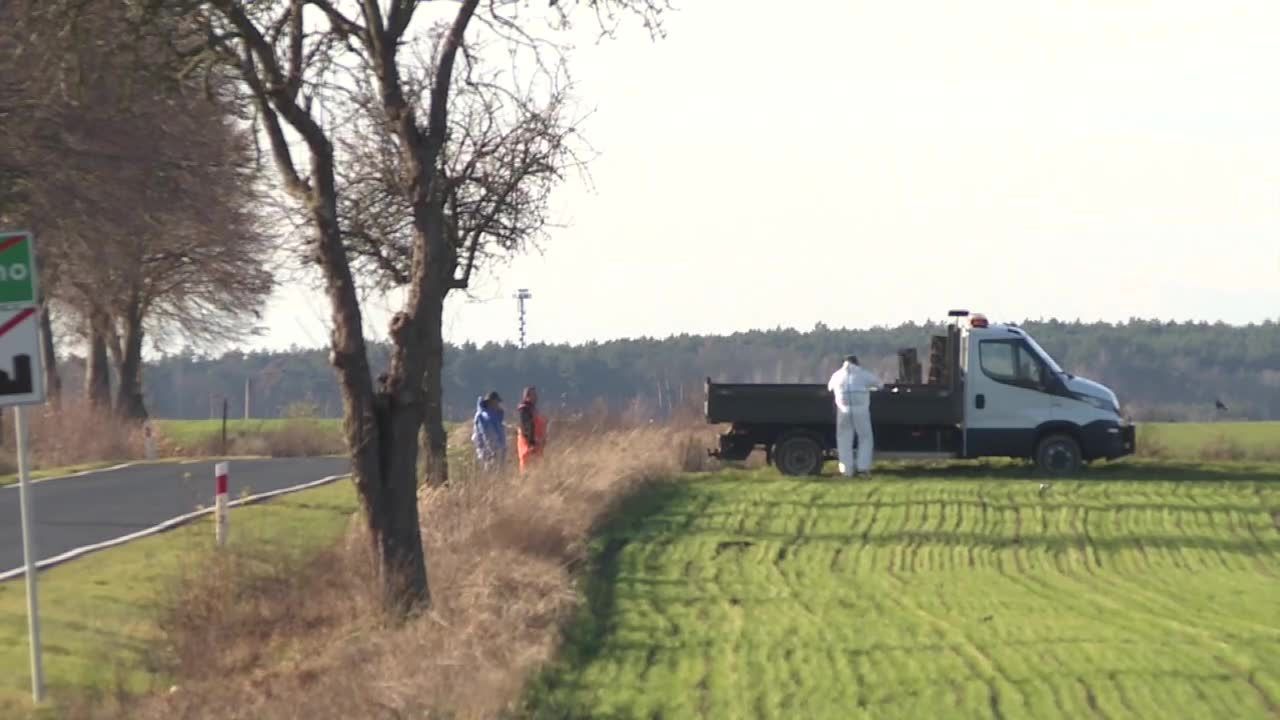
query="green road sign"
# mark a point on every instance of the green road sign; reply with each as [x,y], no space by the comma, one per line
[17,268]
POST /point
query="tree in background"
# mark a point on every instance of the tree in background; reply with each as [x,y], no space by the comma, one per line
[139,188]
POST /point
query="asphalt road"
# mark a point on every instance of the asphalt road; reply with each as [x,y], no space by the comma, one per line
[77,511]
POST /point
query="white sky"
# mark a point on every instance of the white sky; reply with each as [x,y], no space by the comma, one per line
[867,163]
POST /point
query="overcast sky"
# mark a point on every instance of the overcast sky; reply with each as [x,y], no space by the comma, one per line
[867,163]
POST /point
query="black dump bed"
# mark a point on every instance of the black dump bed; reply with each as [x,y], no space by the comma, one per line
[804,404]
[938,403]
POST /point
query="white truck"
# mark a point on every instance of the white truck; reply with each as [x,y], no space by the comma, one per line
[992,392]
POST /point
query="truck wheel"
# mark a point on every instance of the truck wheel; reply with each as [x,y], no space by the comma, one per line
[1058,455]
[798,455]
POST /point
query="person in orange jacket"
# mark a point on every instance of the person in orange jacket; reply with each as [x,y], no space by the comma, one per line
[532,435]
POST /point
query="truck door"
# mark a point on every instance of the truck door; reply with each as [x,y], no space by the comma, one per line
[1006,396]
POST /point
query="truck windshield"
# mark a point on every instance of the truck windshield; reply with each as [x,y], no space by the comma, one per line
[1048,359]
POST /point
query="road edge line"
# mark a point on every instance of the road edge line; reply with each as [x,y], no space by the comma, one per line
[169,524]
[176,460]
[121,466]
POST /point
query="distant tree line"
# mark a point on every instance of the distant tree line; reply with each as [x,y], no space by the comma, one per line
[1162,371]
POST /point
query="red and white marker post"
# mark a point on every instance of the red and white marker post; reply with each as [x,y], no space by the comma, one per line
[149,440]
[220,503]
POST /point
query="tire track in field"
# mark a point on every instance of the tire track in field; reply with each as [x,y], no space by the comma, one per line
[981,664]
[958,530]
[1210,518]
[1091,699]
[1272,706]
[1017,534]
[1130,709]
[1088,542]
[1171,607]
[1099,586]
[1258,560]
[1222,651]
[984,528]
[897,556]
[1135,589]
[1124,621]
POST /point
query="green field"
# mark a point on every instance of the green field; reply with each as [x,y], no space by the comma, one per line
[1145,591]
[203,433]
[99,612]
[1224,441]
[193,432]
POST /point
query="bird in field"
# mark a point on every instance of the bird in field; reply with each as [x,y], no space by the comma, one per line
[1044,489]
[1219,404]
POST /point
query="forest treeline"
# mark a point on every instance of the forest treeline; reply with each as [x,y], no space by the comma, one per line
[1162,370]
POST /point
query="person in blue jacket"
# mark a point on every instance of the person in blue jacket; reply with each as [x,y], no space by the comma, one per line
[488,432]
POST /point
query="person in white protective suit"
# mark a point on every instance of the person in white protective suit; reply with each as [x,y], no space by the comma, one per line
[852,385]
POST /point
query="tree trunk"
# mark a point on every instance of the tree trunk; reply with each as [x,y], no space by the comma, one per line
[130,404]
[434,440]
[381,428]
[97,378]
[395,526]
[49,354]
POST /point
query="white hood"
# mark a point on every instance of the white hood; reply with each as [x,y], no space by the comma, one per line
[1085,386]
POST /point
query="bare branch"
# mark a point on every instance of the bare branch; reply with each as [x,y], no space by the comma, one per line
[280,151]
[340,23]
[294,83]
[439,107]
[400,16]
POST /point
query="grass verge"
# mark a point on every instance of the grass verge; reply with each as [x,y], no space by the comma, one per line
[502,554]
[1143,591]
[102,615]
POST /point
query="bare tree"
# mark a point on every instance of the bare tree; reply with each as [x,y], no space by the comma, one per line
[507,148]
[201,272]
[298,61]
[51,181]
[139,185]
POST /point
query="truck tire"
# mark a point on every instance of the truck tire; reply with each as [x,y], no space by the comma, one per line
[797,455]
[1059,455]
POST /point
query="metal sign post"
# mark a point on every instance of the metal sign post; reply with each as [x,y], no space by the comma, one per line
[21,384]
[29,557]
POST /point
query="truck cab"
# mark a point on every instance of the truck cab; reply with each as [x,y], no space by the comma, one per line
[992,391]
[1020,403]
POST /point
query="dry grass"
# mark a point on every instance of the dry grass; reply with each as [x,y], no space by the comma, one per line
[255,637]
[1154,447]
[75,433]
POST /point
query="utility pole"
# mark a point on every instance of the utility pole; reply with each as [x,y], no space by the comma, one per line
[246,399]
[521,296]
